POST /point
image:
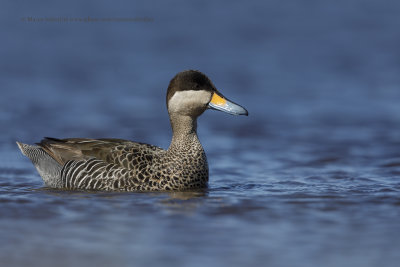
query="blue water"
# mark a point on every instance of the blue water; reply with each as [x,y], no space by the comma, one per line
[310,178]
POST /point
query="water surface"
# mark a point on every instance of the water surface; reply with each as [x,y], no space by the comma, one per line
[310,178]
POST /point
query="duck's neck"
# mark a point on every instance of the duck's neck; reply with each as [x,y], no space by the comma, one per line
[184,130]
[185,156]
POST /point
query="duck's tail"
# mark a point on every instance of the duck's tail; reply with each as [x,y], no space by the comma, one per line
[48,167]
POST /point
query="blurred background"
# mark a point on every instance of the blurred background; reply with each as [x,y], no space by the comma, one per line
[310,178]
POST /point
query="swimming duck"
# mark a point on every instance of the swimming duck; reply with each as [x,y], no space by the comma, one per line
[121,165]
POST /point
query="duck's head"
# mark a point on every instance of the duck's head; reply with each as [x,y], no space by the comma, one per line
[191,92]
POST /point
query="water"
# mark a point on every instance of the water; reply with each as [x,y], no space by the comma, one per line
[310,178]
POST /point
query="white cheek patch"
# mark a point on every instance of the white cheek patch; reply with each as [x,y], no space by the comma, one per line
[188,100]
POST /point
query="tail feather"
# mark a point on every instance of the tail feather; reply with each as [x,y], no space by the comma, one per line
[48,168]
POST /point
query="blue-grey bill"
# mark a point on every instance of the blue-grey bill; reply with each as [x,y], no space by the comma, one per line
[229,107]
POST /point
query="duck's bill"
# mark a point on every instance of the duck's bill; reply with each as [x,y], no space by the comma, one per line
[218,102]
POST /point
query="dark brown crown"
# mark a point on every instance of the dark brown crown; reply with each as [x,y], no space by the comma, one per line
[189,80]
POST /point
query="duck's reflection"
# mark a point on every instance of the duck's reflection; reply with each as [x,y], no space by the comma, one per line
[186,195]
[184,202]
[176,202]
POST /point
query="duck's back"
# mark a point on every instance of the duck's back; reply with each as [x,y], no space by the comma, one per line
[121,152]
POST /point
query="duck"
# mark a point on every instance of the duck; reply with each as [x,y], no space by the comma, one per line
[120,165]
